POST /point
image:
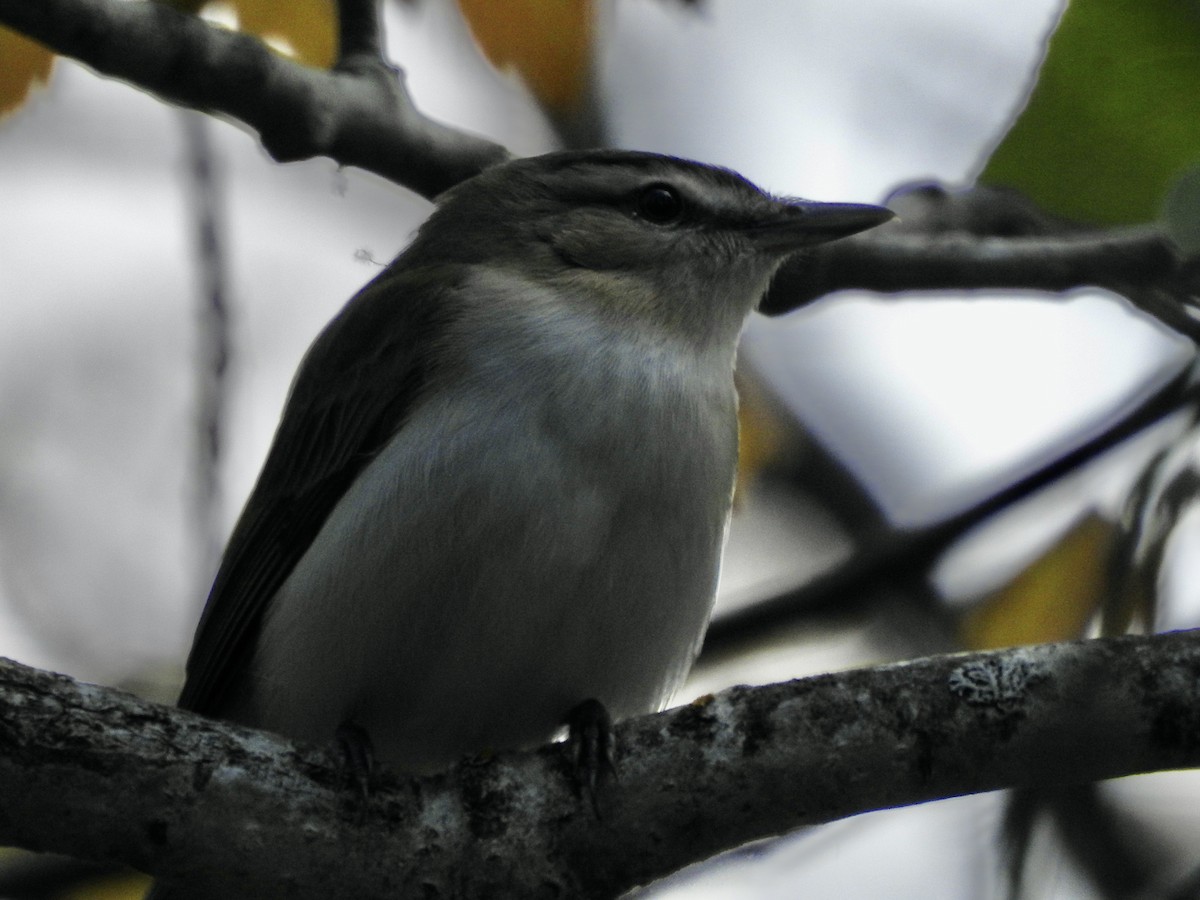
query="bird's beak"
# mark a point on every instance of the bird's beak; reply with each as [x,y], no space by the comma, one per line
[804,223]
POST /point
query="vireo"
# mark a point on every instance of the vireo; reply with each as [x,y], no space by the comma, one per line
[502,480]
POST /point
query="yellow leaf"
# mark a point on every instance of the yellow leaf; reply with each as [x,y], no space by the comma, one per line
[115,886]
[1054,599]
[308,27]
[548,42]
[763,436]
[23,64]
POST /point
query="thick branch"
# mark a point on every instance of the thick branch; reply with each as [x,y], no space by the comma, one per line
[888,260]
[358,115]
[96,773]
[989,237]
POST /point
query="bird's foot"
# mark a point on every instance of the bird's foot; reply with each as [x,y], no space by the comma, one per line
[593,749]
[356,760]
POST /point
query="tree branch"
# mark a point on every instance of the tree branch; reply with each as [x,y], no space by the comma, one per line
[359,32]
[358,115]
[96,773]
[904,558]
[994,238]
[888,260]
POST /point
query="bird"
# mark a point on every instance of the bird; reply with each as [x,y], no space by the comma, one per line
[502,479]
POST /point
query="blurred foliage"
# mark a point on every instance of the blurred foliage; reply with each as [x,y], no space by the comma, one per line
[23,65]
[1111,122]
[1053,599]
[306,28]
[547,42]
[1109,136]
[765,436]
[25,875]
[117,886]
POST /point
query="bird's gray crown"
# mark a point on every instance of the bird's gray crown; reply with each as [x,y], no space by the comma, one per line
[512,207]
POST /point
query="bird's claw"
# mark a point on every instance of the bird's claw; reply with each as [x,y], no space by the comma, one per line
[592,745]
[356,759]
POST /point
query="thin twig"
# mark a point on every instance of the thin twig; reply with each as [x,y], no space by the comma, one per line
[906,557]
[213,331]
[359,30]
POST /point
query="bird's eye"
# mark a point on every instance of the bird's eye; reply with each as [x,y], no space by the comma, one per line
[660,204]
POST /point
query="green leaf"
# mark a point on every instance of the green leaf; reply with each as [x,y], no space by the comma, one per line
[1115,115]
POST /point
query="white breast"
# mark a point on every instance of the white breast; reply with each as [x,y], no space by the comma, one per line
[545,528]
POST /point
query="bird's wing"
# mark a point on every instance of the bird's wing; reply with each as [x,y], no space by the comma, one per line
[353,391]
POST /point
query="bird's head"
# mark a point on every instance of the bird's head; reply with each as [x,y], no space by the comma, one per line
[663,241]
